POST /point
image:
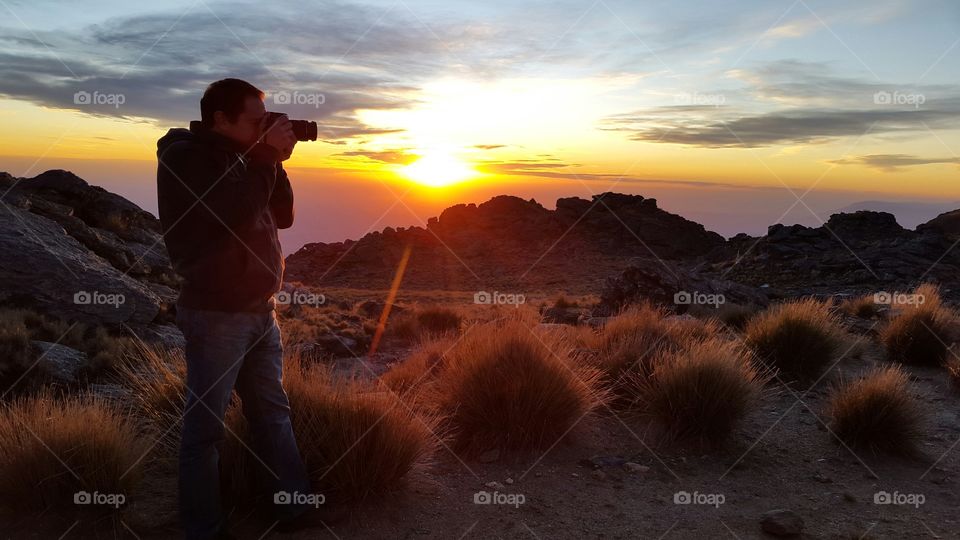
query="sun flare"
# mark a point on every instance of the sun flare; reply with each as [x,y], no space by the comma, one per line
[438,170]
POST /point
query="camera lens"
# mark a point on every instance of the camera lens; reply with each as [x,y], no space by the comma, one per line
[304,130]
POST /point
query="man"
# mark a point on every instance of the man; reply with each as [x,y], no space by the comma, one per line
[222,195]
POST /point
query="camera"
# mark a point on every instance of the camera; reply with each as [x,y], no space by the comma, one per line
[303,130]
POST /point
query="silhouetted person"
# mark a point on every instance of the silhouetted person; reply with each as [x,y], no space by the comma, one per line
[223,194]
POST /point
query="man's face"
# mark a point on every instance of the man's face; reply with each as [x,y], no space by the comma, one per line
[245,130]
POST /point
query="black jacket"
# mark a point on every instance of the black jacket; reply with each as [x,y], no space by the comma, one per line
[220,210]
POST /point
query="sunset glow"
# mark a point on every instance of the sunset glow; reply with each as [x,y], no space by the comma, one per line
[438,170]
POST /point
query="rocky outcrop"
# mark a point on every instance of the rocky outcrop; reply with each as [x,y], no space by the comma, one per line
[947,224]
[659,282]
[79,252]
[852,252]
[509,243]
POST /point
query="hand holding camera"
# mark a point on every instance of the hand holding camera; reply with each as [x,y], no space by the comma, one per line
[277,131]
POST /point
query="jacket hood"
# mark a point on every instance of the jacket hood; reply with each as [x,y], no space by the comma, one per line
[196,131]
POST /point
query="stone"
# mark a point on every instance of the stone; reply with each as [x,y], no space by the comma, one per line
[59,362]
[782,523]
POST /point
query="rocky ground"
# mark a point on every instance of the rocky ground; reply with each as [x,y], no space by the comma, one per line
[60,237]
[611,479]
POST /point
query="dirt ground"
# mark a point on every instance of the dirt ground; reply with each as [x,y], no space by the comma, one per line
[782,458]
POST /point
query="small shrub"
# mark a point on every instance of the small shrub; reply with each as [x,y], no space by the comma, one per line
[735,316]
[156,379]
[103,349]
[51,449]
[701,393]
[920,334]
[630,342]
[355,442]
[504,386]
[800,338]
[421,366]
[877,413]
[561,302]
[427,322]
[16,353]
[864,307]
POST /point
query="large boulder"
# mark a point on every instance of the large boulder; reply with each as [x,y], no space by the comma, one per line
[79,252]
[660,282]
[43,268]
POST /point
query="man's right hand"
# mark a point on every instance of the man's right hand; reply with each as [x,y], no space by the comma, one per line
[280,136]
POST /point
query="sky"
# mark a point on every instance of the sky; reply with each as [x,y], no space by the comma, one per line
[735,113]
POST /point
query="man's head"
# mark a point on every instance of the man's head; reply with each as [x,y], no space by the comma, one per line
[234,109]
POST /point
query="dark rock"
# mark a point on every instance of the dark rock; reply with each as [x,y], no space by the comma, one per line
[61,237]
[59,362]
[782,523]
[660,282]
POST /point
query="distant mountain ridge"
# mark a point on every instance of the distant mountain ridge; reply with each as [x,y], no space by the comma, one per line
[62,239]
[509,242]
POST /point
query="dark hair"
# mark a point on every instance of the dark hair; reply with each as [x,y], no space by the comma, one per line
[227,95]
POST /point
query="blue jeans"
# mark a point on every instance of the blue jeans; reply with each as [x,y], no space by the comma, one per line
[223,351]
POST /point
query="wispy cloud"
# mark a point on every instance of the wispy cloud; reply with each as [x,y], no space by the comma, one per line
[894,162]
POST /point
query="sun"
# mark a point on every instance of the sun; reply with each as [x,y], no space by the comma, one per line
[438,170]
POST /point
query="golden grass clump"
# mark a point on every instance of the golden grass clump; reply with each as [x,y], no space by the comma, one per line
[701,393]
[877,413]
[630,341]
[509,386]
[356,441]
[52,449]
[799,338]
[921,333]
[421,366]
[425,322]
[156,378]
[864,307]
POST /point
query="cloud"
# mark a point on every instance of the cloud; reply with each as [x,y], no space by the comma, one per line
[161,62]
[893,162]
[794,102]
[397,156]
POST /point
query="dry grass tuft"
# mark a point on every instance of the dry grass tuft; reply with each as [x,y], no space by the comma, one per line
[921,334]
[799,338]
[421,366]
[506,385]
[52,448]
[356,442]
[630,342]
[156,378]
[424,323]
[700,394]
[877,413]
[864,307]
